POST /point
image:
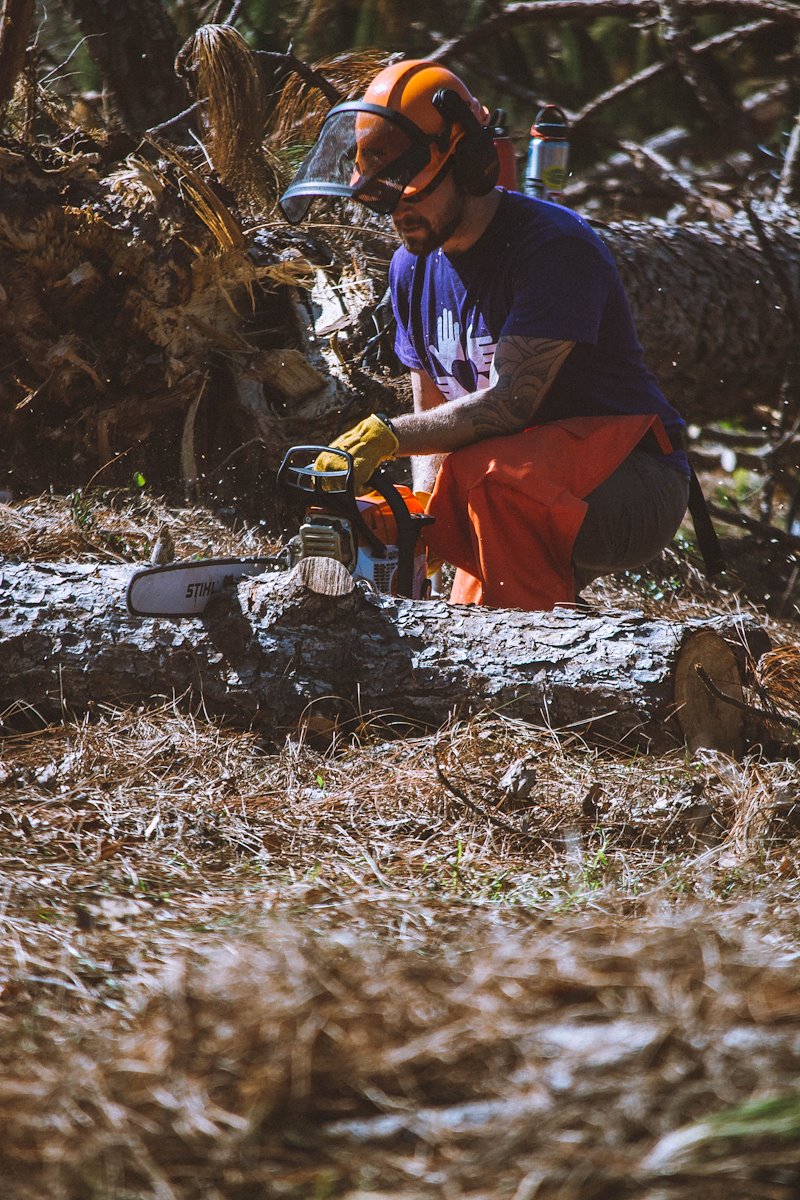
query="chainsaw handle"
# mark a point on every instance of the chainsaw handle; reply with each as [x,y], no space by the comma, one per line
[409,527]
[301,476]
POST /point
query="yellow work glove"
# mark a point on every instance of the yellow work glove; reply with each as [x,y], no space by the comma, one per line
[371,442]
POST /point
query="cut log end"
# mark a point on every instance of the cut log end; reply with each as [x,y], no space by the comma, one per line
[705,720]
[325,576]
[316,587]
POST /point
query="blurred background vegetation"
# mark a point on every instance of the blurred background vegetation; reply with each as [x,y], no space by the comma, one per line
[567,62]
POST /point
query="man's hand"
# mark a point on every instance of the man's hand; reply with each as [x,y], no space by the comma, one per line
[371,442]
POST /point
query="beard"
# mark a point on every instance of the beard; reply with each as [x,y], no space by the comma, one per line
[420,236]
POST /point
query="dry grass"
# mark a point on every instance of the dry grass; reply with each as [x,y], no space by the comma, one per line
[778,677]
[237,967]
[223,74]
[480,1057]
[106,524]
[370,964]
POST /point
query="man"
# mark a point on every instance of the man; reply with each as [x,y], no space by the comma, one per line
[563,458]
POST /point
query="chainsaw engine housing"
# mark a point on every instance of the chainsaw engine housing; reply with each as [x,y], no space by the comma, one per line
[323,535]
[376,536]
[327,535]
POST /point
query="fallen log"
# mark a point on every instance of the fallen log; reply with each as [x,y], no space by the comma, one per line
[712,309]
[312,641]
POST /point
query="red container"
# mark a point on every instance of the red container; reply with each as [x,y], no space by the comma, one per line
[506,155]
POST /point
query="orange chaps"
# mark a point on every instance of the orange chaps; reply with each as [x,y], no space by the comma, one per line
[508,509]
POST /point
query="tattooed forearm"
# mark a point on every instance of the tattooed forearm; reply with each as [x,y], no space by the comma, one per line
[524,368]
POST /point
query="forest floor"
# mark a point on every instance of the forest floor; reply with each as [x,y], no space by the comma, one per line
[305,968]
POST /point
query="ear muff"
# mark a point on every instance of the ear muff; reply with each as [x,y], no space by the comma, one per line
[475,163]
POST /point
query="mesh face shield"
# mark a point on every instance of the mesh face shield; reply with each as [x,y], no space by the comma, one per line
[364,152]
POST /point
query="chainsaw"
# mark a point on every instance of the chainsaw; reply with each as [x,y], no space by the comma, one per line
[377,537]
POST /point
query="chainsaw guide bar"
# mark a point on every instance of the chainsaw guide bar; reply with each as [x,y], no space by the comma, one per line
[183,589]
[376,537]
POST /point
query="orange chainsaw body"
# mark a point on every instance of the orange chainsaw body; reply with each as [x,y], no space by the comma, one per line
[378,536]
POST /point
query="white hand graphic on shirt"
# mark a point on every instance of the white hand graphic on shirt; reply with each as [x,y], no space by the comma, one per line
[448,334]
[480,351]
[450,388]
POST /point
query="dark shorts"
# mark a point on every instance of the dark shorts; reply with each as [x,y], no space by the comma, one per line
[631,517]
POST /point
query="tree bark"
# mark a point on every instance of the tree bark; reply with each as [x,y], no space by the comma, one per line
[311,641]
[711,310]
[16,20]
[134,44]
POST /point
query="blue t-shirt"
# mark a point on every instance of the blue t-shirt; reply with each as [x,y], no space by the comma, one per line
[537,271]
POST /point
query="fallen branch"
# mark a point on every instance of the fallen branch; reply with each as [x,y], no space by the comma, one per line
[178,119]
[515,15]
[309,75]
[759,714]
[770,533]
[788,190]
[233,12]
[719,42]
[655,166]
[275,61]
[478,809]
[676,33]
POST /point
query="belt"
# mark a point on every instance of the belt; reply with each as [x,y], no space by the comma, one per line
[676,437]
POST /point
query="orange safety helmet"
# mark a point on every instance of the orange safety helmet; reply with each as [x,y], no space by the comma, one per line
[428,95]
[416,122]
